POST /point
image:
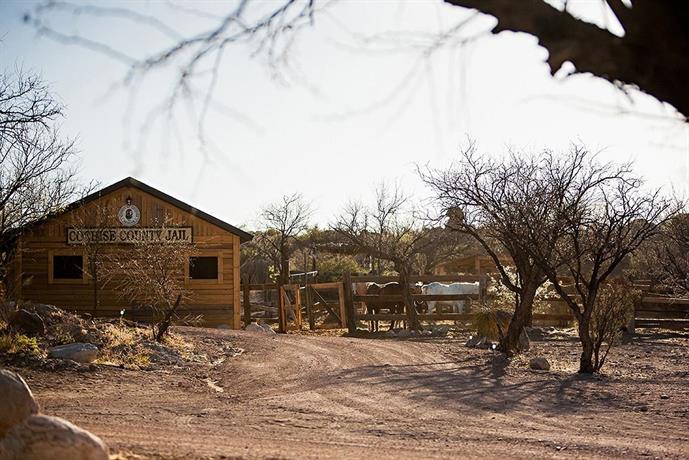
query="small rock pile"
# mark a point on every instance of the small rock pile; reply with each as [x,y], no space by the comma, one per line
[27,434]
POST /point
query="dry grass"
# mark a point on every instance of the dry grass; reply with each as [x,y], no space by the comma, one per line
[120,343]
[486,319]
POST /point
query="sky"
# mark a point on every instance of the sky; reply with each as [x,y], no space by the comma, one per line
[356,104]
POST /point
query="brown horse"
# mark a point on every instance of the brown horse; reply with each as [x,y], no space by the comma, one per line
[373,307]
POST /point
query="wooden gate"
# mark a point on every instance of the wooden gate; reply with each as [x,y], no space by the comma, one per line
[290,308]
[315,299]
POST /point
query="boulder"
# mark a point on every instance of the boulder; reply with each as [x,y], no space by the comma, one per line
[404,333]
[42,437]
[390,333]
[539,363]
[27,322]
[79,352]
[524,342]
[17,402]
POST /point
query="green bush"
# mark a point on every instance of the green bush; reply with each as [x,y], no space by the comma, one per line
[11,344]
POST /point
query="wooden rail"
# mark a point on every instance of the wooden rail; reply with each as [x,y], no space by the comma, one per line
[454,317]
[662,312]
[420,297]
[419,278]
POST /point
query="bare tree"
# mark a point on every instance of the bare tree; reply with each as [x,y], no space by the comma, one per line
[665,258]
[394,230]
[649,55]
[646,56]
[498,203]
[151,273]
[37,173]
[95,248]
[265,29]
[444,245]
[613,311]
[282,223]
[600,214]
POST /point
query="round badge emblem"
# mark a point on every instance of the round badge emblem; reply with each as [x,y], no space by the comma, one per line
[129,215]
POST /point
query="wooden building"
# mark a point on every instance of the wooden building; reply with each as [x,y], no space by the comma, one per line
[51,257]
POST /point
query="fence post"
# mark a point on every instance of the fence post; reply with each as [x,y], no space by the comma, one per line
[341,302]
[282,320]
[247,304]
[350,311]
[308,298]
[297,305]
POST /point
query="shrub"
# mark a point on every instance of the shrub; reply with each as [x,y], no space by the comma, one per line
[491,322]
[12,344]
[613,310]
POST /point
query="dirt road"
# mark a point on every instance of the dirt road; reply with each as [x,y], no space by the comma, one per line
[332,397]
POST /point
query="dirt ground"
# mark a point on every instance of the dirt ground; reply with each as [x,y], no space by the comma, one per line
[309,396]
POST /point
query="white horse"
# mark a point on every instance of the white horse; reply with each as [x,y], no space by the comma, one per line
[436,288]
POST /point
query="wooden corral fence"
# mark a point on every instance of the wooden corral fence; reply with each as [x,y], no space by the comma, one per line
[285,304]
[656,309]
[355,302]
[662,312]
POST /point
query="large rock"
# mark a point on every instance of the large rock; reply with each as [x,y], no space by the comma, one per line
[27,322]
[42,437]
[79,352]
[539,363]
[16,401]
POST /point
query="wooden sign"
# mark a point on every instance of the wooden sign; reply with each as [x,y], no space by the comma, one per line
[117,235]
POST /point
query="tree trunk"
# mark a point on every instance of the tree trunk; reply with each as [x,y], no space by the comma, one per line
[284,270]
[509,343]
[165,324]
[529,317]
[586,359]
[410,306]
